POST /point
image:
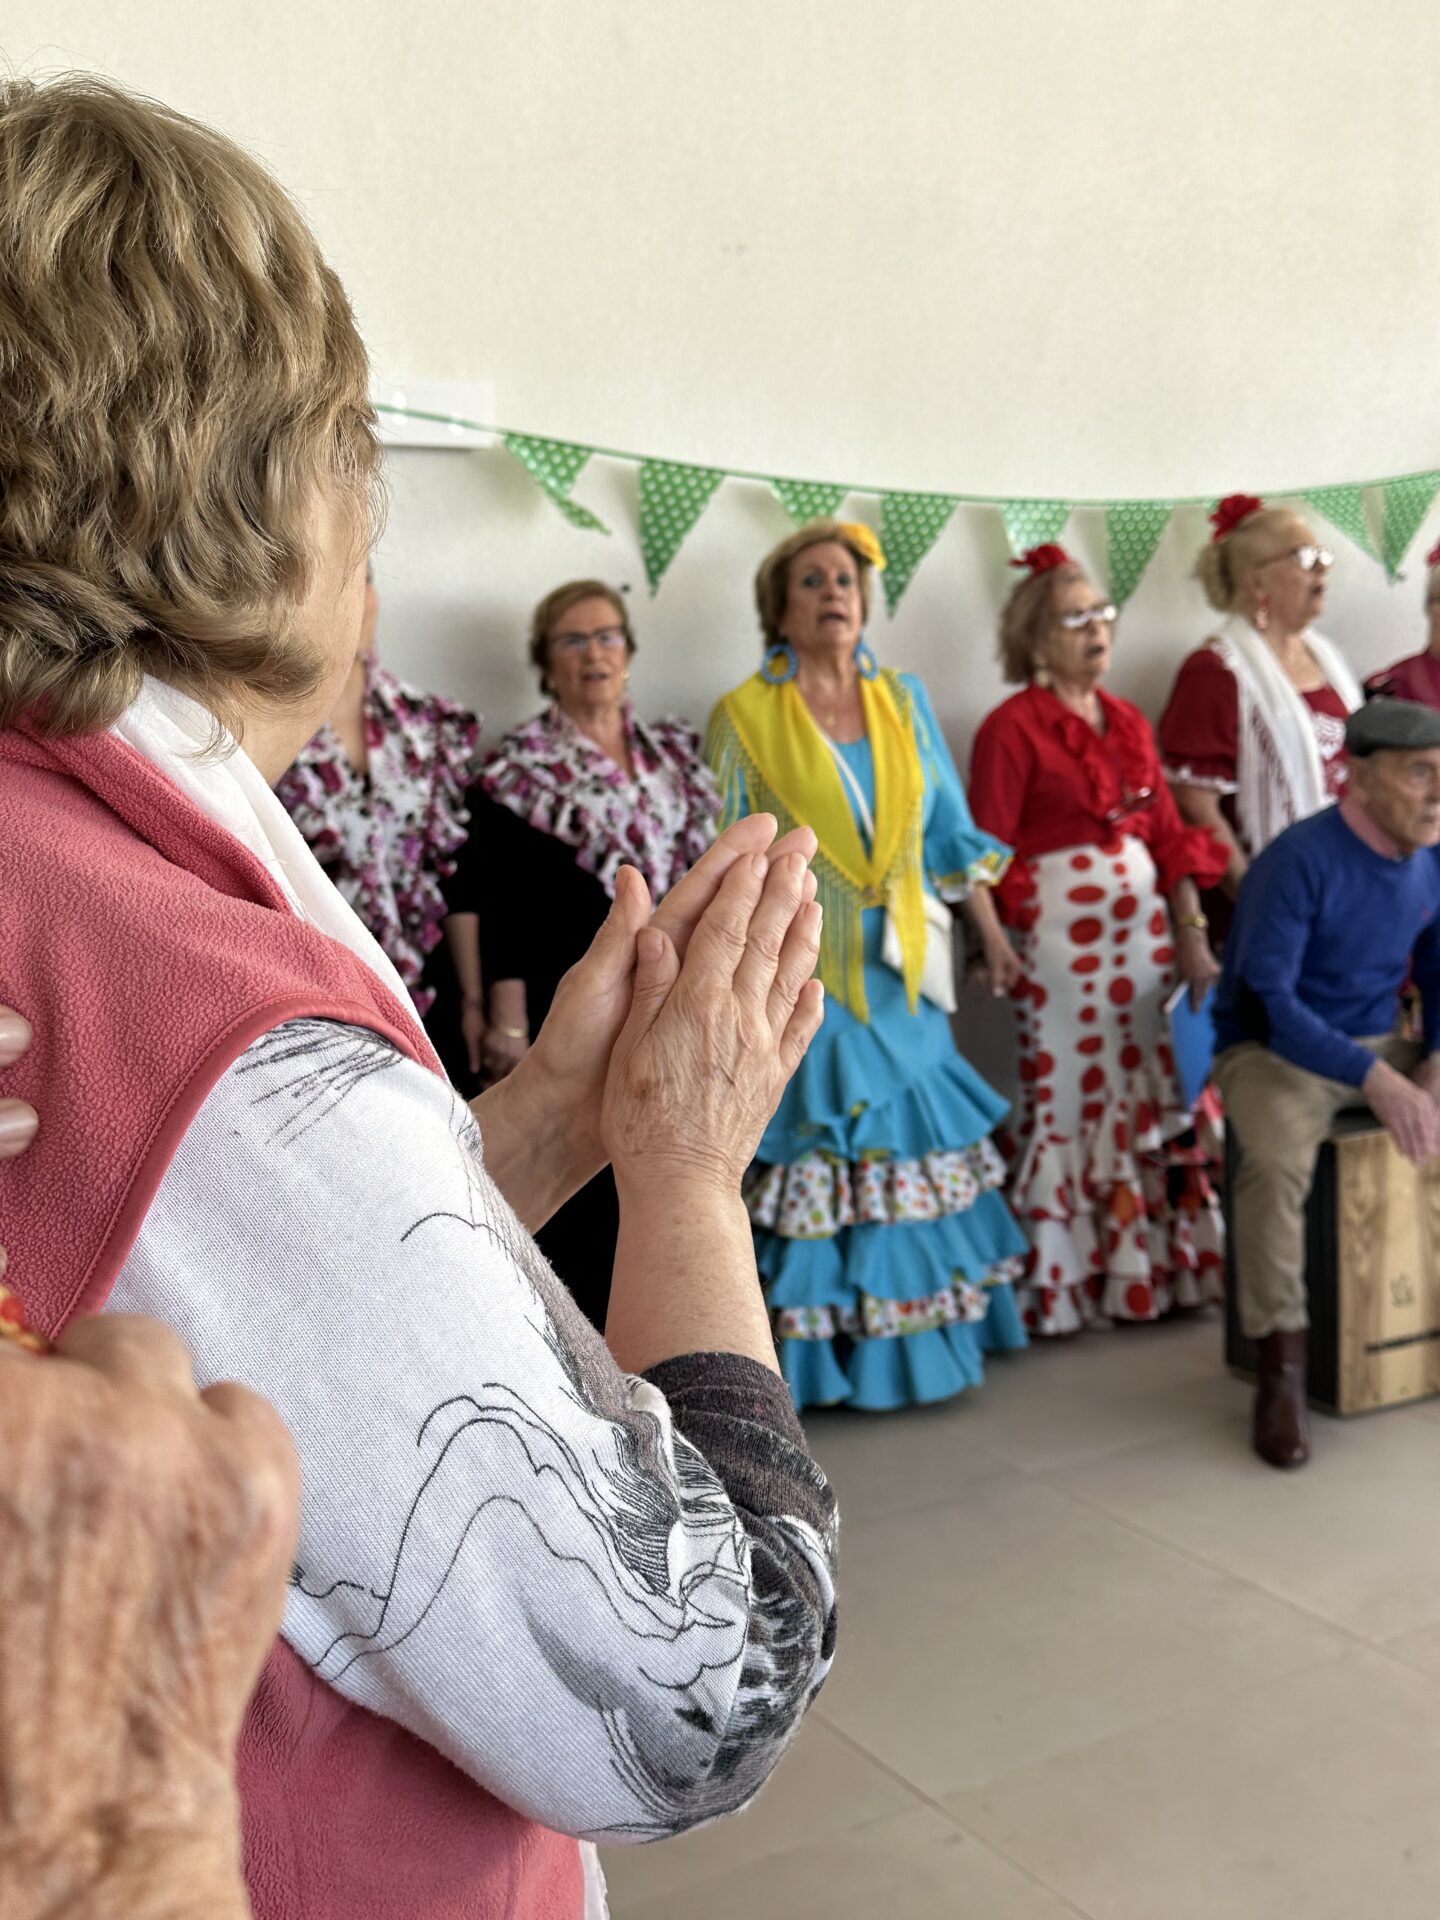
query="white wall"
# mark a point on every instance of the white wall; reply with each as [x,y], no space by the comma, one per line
[1126,247]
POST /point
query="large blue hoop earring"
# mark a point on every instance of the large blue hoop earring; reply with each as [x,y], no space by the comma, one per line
[866,665]
[781,663]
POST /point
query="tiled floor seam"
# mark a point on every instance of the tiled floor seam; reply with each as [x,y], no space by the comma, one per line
[953,1819]
[1213,1566]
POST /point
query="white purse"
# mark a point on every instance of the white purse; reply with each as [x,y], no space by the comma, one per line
[937,977]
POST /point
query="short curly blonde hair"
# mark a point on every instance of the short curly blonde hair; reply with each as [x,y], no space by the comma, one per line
[1224,565]
[772,580]
[1024,617]
[184,386]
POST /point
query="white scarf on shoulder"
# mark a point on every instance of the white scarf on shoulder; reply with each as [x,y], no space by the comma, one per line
[1279,775]
[185,742]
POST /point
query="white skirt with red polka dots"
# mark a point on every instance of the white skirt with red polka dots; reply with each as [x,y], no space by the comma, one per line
[1112,1181]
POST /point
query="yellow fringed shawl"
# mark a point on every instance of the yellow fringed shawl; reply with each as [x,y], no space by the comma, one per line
[770,757]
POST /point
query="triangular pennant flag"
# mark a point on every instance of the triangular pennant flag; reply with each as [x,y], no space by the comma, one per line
[910,524]
[1406,504]
[556,464]
[672,499]
[1344,508]
[1033,523]
[808,499]
[1132,531]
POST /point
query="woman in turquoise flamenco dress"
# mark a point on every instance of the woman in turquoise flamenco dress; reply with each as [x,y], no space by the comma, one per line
[887,1250]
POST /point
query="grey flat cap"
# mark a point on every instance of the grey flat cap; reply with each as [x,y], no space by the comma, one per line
[1391,725]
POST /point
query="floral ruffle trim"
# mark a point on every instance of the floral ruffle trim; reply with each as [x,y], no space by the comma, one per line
[388,842]
[961,1304]
[552,777]
[1123,1221]
[986,870]
[814,1197]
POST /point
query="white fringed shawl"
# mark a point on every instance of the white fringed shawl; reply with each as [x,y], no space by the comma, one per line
[1279,774]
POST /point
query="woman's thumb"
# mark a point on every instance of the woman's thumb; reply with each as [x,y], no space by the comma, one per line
[657,967]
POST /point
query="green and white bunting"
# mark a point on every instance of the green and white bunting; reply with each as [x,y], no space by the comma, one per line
[674,494]
[556,465]
[1033,523]
[1407,502]
[1133,529]
[672,499]
[910,524]
[1344,508]
[808,499]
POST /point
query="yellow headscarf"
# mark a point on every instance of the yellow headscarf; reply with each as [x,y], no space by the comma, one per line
[770,757]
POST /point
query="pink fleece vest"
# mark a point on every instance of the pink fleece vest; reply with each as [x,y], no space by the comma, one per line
[148,948]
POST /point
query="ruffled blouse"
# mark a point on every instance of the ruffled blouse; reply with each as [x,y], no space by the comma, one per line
[1043,779]
[1417,678]
[553,777]
[387,838]
[1199,730]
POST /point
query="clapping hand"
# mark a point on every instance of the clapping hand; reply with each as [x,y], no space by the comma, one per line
[712,1039]
[566,1068]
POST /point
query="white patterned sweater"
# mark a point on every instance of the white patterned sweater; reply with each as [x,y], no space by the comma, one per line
[607,1599]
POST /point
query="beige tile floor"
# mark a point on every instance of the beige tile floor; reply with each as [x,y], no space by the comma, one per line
[1097,1661]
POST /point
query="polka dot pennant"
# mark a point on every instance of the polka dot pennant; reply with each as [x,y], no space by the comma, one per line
[910,524]
[808,499]
[1132,531]
[556,465]
[1033,523]
[672,499]
[1344,508]
[1407,502]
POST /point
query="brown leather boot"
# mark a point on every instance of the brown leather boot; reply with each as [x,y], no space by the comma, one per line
[1282,1421]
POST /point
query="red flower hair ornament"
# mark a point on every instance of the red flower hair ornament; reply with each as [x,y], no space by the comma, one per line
[1043,559]
[1230,511]
[1432,558]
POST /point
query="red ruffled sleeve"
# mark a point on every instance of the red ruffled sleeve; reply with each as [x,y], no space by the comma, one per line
[1179,852]
[1001,769]
[1200,728]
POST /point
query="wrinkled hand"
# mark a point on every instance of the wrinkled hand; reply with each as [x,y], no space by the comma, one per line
[995,970]
[146,1532]
[1407,1112]
[571,1052]
[1195,963]
[711,1042]
[18,1122]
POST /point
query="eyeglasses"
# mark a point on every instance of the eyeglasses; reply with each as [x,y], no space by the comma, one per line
[1087,617]
[577,642]
[1307,558]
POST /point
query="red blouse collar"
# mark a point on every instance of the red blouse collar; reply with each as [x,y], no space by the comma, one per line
[1118,764]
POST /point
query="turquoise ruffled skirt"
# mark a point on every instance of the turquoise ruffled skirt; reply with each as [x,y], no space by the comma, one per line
[885,1246]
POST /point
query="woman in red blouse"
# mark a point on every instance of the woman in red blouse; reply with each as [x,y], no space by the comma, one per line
[1418,677]
[1103,903]
[1254,733]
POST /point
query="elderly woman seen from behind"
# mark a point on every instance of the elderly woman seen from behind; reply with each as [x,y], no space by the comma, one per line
[887,1250]
[1102,898]
[543,1587]
[1417,677]
[562,804]
[1253,736]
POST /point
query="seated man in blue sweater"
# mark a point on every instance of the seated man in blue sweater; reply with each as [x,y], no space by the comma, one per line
[1330,919]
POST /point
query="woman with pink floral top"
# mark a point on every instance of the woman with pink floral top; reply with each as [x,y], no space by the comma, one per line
[561,804]
[379,794]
